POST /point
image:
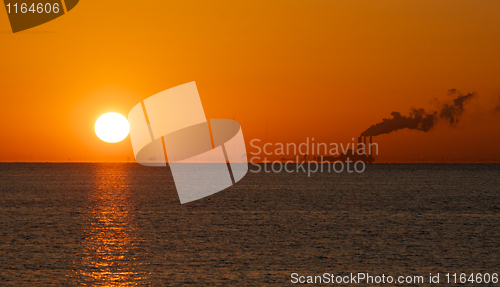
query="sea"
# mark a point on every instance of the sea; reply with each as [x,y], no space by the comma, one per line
[121,224]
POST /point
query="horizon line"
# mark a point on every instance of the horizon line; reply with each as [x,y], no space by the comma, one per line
[383,162]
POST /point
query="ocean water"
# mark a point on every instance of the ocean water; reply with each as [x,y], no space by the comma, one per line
[122,225]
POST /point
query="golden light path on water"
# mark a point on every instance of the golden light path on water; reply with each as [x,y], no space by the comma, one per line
[109,255]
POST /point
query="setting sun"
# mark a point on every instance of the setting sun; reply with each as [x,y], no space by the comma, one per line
[112,127]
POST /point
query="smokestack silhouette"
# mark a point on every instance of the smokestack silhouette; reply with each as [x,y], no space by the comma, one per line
[419,119]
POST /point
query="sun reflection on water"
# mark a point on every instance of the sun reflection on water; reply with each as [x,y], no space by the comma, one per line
[110,250]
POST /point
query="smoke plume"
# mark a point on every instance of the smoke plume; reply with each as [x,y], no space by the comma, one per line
[419,119]
[497,108]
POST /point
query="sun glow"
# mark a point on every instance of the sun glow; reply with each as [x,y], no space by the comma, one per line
[112,127]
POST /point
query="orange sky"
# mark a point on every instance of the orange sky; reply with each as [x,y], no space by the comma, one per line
[318,68]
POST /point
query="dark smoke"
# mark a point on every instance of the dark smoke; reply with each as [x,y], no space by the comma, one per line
[497,108]
[452,112]
[419,119]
